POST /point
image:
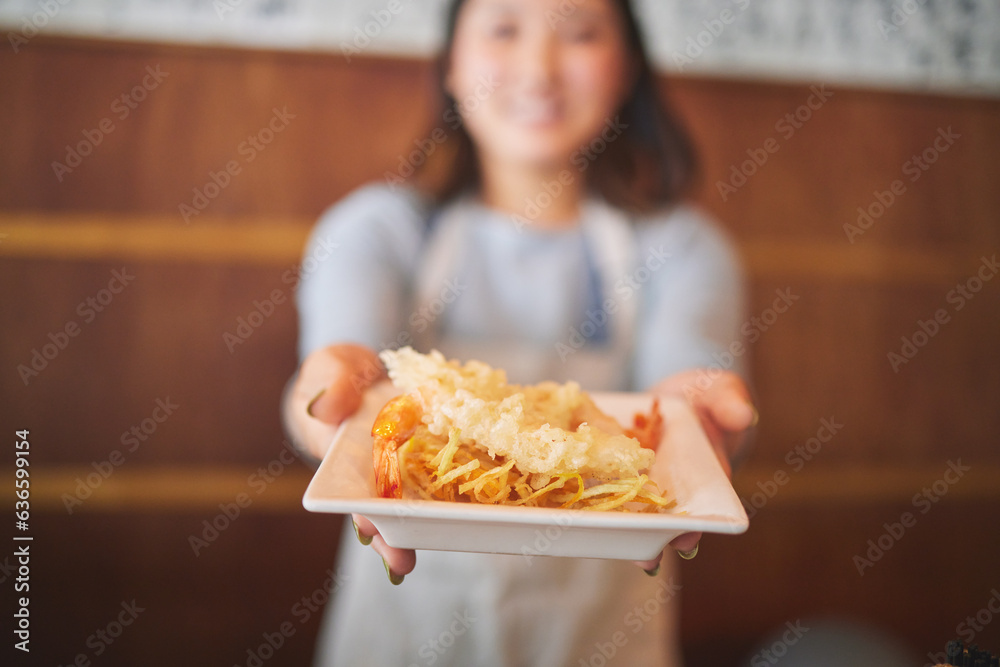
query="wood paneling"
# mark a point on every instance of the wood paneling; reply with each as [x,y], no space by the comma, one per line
[173,489]
[161,337]
[193,123]
[273,487]
[798,564]
[857,143]
[267,242]
[204,609]
[270,241]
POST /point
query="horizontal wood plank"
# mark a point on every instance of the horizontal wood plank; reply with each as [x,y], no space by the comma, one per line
[262,242]
[178,489]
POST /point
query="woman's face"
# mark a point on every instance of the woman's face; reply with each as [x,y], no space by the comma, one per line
[535,80]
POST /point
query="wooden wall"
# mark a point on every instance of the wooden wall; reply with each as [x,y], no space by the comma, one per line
[161,338]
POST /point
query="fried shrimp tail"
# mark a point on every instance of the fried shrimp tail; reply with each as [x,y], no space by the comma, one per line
[648,429]
[588,412]
[393,426]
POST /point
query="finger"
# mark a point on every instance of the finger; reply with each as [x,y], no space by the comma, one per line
[725,393]
[335,379]
[729,405]
[364,528]
[363,363]
[686,544]
[652,567]
[398,562]
[338,401]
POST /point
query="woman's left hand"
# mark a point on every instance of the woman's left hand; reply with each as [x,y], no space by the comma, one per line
[722,402]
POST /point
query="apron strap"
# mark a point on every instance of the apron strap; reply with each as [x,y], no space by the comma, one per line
[440,260]
[611,238]
[611,247]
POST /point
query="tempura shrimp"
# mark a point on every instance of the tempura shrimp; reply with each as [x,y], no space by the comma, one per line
[647,428]
[393,426]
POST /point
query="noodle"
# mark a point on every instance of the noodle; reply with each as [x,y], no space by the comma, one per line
[433,468]
[461,433]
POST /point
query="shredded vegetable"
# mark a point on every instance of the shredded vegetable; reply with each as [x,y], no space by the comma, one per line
[435,468]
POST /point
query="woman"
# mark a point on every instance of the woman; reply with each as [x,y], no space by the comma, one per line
[544,236]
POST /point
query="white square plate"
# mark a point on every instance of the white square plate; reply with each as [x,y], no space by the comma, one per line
[685,466]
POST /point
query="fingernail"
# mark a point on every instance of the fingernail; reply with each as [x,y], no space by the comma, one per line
[309,408]
[688,555]
[394,579]
[756,415]
[655,571]
[361,538]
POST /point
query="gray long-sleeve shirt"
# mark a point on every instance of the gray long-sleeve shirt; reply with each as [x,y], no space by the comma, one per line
[612,303]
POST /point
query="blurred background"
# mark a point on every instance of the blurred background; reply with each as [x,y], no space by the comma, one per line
[161,165]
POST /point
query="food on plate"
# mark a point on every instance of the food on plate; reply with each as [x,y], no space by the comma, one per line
[462,433]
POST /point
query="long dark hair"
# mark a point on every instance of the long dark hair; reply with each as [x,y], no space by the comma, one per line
[649,166]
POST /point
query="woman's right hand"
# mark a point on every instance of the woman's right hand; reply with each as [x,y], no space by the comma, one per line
[328,389]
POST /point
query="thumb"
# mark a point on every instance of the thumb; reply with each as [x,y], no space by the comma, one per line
[733,411]
[338,401]
[351,370]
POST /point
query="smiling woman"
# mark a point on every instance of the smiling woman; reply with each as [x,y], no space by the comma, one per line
[560,177]
[565,82]
[163,336]
[555,87]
